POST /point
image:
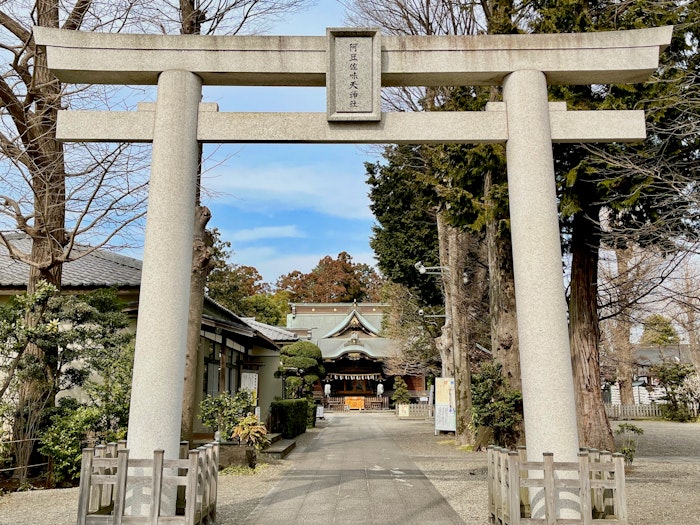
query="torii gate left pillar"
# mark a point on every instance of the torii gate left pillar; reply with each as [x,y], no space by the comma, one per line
[164,296]
[526,122]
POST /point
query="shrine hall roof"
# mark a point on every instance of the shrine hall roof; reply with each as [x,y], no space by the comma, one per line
[378,348]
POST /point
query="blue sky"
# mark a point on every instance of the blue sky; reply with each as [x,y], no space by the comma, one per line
[284,207]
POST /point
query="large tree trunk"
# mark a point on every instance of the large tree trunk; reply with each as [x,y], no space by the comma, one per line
[457,308]
[504,322]
[201,266]
[688,318]
[47,232]
[693,337]
[202,252]
[48,178]
[445,343]
[622,327]
[584,331]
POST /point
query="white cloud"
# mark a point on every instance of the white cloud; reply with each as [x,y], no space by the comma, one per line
[334,190]
[265,232]
[272,264]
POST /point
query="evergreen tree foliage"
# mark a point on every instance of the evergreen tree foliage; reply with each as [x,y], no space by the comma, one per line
[301,366]
[672,377]
[621,195]
[85,343]
[404,204]
[659,331]
[400,395]
[496,407]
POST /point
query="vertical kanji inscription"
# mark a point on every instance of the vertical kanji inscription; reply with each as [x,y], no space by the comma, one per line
[353,78]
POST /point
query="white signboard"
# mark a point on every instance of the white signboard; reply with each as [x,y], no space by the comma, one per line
[249,381]
[445,405]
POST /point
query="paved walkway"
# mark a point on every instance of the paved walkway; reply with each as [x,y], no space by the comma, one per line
[354,473]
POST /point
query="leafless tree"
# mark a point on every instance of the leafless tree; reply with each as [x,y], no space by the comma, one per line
[412,332]
[208,17]
[633,284]
[59,195]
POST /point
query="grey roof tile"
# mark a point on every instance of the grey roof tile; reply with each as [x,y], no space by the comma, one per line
[99,268]
[276,333]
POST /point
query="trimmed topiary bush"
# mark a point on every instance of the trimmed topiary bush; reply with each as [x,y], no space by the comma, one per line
[289,417]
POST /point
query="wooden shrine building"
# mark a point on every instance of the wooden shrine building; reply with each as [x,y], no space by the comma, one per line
[354,351]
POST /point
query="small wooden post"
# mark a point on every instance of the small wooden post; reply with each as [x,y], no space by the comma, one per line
[120,486]
[108,489]
[584,476]
[202,489]
[491,485]
[597,497]
[608,494]
[503,482]
[96,489]
[156,485]
[191,492]
[85,475]
[214,468]
[620,491]
[514,488]
[524,492]
[206,479]
[181,489]
[550,493]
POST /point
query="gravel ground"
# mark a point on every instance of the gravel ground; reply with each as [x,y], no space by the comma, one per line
[663,484]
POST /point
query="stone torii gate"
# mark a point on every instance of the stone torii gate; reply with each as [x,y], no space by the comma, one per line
[354,64]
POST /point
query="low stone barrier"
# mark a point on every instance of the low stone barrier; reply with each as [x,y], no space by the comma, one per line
[103,485]
[415,411]
[632,411]
[599,481]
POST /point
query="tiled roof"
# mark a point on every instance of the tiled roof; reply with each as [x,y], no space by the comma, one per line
[277,334]
[345,323]
[99,268]
[374,347]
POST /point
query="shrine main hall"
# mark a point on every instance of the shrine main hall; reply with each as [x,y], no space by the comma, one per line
[354,352]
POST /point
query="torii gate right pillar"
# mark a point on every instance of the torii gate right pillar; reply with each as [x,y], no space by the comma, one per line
[545,357]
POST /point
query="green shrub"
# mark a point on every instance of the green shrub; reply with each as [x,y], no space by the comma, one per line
[251,432]
[289,417]
[629,434]
[223,412]
[496,407]
[672,376]
[254,434]
[65,439]
[311,414]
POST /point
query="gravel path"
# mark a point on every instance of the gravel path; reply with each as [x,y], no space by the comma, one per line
[663,484]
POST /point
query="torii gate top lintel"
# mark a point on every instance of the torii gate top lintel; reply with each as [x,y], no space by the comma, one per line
[565,58]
